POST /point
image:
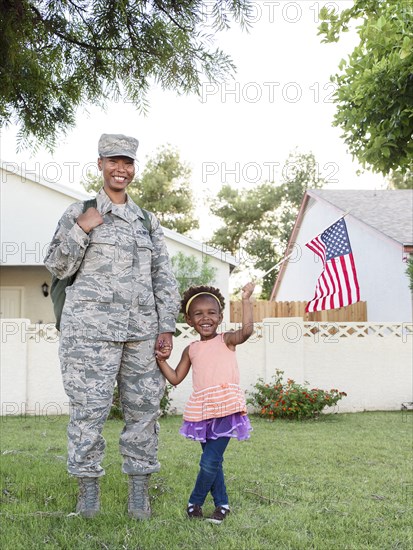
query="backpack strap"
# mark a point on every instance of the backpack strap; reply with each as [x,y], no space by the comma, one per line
[89,203]
[92,203]
[146,220]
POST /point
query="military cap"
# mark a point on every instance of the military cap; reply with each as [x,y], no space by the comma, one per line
[117,145]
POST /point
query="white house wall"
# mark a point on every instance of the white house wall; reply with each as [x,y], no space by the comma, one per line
[36,307]
[379,261]
[29,217]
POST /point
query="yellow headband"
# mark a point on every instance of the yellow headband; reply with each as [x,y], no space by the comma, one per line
[200,294]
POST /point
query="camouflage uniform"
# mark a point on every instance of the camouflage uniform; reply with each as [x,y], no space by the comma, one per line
[123,296]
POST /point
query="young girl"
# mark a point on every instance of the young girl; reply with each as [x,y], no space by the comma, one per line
[216,409]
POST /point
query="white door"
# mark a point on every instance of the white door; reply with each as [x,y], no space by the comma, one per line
[11,302]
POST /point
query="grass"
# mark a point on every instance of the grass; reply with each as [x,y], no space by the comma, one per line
[343,482]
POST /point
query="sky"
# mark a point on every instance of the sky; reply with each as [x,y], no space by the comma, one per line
[240,132]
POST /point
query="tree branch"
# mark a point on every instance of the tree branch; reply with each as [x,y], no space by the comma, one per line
[162,9]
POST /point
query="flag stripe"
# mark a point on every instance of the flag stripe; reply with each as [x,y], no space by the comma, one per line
[327,289]
[346,278]
[340,288]
[318,248]
[355,280]
[337,286]
[332,293]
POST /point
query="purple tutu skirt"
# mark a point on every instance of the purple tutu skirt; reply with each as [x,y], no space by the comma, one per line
[234,425]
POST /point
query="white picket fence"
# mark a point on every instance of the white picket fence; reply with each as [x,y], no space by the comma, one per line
[371,362]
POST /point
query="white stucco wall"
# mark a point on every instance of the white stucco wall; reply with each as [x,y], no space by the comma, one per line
[383,282]
[370,362]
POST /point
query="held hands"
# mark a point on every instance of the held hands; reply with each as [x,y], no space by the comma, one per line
[162,355]
[247,291]
[89,220]
[163,346]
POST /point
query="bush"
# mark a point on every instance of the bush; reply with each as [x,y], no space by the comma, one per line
[166,400]
[290,400]
[116,409]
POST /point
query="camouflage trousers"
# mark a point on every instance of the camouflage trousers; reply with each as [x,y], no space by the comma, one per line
[89,371]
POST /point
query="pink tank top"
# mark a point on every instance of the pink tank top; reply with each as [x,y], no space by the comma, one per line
[215,379]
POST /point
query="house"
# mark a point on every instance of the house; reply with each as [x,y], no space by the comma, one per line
[380,228]
[30,210]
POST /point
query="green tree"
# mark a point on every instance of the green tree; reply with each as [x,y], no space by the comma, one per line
[409,272]
[398,180]
[163,188]
[191,272]
[58,56]
[165,185]
[374,93]
[257,222]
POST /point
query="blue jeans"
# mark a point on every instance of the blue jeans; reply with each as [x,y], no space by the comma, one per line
[211,474]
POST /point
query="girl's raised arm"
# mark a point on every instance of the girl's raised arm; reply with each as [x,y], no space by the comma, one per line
[174,376]
[240,336]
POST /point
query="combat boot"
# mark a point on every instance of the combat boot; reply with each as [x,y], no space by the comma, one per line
[88,504]
[138,502]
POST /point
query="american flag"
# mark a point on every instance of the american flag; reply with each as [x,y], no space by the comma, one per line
[337,285]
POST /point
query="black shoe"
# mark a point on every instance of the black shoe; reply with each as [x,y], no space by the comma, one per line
[220,513]
[194,511]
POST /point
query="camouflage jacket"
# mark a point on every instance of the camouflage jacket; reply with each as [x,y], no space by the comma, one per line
[124,287]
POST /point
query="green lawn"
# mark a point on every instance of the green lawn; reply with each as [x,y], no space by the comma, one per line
[342,482]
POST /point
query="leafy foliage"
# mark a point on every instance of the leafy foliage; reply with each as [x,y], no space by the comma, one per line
[116,409]
[257,222]
[165,186]
[409,272]
[166,400]
[57,56]
[191,272]
[375,87]
[397,180]
[164,189]
[291,400]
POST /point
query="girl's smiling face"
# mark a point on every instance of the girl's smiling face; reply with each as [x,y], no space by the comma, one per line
[204,316]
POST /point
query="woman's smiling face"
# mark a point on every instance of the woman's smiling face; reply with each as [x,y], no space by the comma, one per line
[117,172]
